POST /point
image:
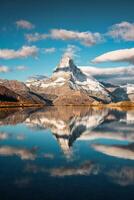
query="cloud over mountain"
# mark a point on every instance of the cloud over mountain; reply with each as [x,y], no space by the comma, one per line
[70,51]
[114,75]
[121,55]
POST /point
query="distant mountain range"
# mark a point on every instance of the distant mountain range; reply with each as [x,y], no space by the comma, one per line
[12,91]
[68,85]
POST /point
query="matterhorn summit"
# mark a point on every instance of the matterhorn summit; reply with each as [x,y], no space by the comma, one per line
[66,61]
[67,65]
[68,85]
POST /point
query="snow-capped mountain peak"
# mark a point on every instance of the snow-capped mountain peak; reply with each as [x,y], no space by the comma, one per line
[66,61]
[66,78]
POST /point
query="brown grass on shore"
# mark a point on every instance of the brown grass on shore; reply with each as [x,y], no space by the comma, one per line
[123,105]
[18,104]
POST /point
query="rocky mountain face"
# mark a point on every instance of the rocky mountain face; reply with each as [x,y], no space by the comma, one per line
[7,95]
[113,75]
[119,82]
[20,92]
[122,93]
[68,85]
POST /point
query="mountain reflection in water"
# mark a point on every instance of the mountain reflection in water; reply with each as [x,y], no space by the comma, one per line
[40,148]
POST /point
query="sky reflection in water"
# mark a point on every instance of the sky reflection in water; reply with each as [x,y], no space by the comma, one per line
[66,153]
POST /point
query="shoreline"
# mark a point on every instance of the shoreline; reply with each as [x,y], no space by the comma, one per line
[125,105]
[19,105]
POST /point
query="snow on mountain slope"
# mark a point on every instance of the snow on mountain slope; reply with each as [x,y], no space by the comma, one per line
[130,88]
[78,80]
[114,75]
[36,80]
[68,77]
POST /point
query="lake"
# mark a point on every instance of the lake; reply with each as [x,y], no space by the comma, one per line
[66,153]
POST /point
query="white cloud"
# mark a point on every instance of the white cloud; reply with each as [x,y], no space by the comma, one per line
[50,50]
[70,51]
[108,71]
[24,24]
[122,55]
[24,52]
[122,31]
[4,69]
[33,37]
[21,68]
[114,75]
[85,38]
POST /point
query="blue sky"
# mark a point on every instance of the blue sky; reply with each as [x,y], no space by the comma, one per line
[77,16]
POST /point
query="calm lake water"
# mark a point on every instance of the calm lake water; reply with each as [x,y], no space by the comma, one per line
[66,153]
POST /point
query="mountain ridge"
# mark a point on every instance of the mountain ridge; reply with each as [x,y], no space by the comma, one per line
[68,79]
[69,85]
